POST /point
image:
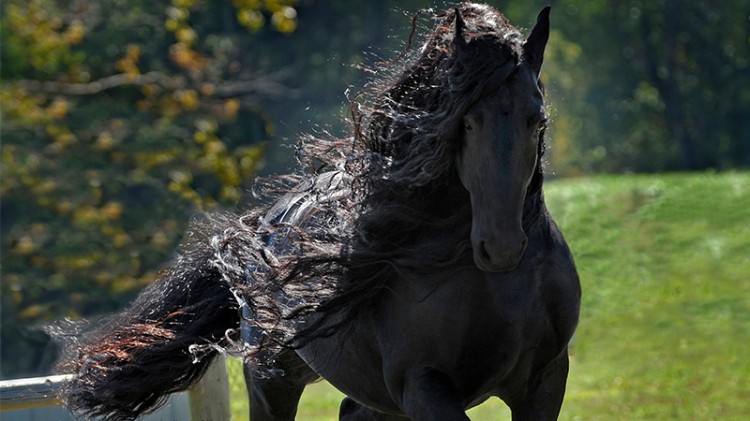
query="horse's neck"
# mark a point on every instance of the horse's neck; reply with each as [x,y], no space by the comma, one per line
[534,208]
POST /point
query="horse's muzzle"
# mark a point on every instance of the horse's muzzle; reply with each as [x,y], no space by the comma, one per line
[502,255]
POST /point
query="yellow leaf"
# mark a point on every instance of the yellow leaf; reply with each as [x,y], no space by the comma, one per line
[207,89]
[285,19]
[75,32]
[112,210]
[171,25]
[133,52]
[31,312]
[186,35]
[188,99]
[251,19]
[58,108]
[25,246]
[231,107]
[104,141]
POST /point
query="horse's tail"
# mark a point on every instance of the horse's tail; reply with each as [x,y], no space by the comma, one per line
[132,361]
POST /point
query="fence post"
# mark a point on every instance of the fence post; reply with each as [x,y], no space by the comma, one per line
[209,398]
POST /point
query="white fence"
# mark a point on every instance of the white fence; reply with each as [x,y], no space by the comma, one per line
[36,399]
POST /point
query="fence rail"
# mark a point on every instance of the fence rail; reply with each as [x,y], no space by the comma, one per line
[207,400]
[30,393]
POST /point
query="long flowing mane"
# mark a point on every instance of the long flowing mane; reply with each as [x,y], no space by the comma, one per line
[366,209]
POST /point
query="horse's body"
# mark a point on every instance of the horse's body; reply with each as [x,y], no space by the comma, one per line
[439,343]
[436,346]
[420,274]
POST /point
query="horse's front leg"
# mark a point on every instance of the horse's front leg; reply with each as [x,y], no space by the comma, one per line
[430,395]
[545,397]
[276,398]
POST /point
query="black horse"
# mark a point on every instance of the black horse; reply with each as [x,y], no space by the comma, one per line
[414,266]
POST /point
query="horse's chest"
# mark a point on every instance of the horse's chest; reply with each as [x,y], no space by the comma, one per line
[473,331]
[469,328]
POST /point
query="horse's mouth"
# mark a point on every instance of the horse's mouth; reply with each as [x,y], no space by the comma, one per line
[497,268]
[504,260]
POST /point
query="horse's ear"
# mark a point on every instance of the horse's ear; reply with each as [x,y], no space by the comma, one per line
[533,49]
[458,38]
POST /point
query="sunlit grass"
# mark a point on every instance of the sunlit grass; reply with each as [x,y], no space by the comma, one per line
[664,262]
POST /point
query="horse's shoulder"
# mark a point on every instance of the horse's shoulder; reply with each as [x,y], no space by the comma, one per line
[554,258]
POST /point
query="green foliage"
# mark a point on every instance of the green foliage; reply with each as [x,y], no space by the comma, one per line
[37,41]
[661,85]
[120,121]
[666,307]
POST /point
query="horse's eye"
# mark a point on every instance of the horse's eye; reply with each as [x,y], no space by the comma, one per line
[467,126]
[537,122]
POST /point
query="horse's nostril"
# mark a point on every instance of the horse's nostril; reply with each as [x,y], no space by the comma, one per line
[484,253]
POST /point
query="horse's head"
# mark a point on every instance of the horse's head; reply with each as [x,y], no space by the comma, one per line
[499,155]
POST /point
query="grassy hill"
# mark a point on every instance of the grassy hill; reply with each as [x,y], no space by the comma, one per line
[665,324]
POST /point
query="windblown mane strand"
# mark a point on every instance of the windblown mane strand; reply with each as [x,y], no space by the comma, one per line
[393,199]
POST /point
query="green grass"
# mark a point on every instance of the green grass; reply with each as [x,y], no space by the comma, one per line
[665,324]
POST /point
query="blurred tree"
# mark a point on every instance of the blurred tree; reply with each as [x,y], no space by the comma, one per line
[695,55]
[326,57]
[660,85]
[120,119]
